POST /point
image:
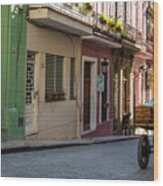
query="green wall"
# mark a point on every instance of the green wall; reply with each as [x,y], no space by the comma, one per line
[13,57]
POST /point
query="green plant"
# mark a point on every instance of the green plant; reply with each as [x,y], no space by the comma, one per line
[103,19]
[124,33]
[87,8]
[118,26]
[111,22]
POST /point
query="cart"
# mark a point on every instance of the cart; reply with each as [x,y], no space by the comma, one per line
[144,118]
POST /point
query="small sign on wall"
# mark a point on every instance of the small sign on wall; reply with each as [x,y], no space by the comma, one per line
[100,83]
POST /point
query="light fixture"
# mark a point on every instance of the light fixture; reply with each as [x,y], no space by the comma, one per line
[104,64]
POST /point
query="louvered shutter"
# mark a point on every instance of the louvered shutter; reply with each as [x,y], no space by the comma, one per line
[49,74]
[54,77]
[72,77]
[59,74]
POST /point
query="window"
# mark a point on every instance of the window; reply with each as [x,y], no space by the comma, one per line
[120,11]
[112,9]
[99,7]
[128,13]
[116,8]
[125,12]
[54,78]
[140,16]
[72,78]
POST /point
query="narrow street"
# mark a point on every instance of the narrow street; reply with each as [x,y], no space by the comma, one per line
[109,161]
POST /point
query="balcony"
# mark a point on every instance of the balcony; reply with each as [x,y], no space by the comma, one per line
[69,18]
[101,28]
[60,16]
[131,34]
[126,32]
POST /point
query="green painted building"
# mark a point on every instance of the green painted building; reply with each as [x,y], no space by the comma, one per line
[13,57]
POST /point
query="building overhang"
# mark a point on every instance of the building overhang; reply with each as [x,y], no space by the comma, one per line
[48,17]
[130,46]
[105,41]
[144,55]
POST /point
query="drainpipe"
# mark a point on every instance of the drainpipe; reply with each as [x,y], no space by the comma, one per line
[121,94]
[132,97]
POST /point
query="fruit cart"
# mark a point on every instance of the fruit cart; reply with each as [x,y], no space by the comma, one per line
[144,118]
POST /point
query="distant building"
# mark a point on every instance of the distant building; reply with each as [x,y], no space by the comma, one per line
[144,60]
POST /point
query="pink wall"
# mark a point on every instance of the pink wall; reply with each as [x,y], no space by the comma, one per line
[92,49]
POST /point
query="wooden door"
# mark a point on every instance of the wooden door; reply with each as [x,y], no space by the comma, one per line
[87,95]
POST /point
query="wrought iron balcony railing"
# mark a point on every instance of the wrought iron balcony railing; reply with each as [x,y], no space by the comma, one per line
[69,10]
[75,12]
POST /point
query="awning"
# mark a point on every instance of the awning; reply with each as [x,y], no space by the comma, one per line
[100,39]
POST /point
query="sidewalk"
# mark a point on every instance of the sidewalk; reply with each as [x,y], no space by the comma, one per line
[31,145]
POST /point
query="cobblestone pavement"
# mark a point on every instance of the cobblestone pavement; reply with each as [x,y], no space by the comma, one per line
[115,161]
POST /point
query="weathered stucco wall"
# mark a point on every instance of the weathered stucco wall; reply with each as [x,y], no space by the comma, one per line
[92,49]
[57,119]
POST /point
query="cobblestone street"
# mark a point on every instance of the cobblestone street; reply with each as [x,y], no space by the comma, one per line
[115,161]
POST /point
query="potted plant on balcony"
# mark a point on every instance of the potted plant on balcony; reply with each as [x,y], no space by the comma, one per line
[111,23]
[118,26]
[87,8]
[103,19]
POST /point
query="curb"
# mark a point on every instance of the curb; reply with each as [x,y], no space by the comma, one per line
[41,146]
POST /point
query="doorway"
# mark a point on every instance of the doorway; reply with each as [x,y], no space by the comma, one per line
[89,94]
[30,94]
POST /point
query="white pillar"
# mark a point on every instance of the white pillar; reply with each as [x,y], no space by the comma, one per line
[108,93]
[132,97]
[140,88]
[121,93]
[144,88]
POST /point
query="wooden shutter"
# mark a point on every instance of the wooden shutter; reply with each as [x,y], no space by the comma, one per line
[49,77]
[59,74]
[72,77]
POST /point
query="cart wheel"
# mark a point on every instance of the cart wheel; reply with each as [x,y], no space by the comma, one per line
[143,151]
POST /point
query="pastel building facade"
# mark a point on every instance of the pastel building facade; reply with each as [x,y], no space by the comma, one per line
[79,77]
[144,60]
[67,54]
